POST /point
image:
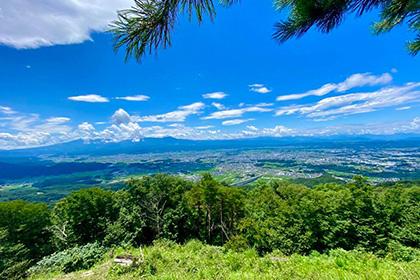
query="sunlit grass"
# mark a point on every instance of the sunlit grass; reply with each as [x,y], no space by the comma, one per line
[167,260]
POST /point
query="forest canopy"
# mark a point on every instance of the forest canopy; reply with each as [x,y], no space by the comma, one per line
[273,216]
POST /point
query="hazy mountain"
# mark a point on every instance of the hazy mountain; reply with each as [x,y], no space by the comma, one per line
[169,144]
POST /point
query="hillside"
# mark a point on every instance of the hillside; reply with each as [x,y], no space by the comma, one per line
[167,260]
[275,230]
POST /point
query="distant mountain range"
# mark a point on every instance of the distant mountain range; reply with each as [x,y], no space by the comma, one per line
[169,144]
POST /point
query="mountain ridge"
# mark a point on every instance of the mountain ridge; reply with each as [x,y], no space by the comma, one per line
[171,144]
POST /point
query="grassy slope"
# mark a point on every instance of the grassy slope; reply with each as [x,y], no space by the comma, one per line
[196,261]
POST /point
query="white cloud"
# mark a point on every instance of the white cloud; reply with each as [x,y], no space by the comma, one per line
[85,126]
[403,108]
[215,95]
[120,117]
[6,110]
[251,127]
[354,81]
[41,132]
[91,98]
[277,131]
[28,130]
[179,115]
[122,128]
[363,79]
[204,127]
[58,120]
[33,24]
[124,131]
[20,140]
[182,132]
[413,125]
[218,106]
[140,97]
[236,121]
[356,103]
[193,108]
[259,88]
[235,113]
[325,89]
[263,105]
[19,122]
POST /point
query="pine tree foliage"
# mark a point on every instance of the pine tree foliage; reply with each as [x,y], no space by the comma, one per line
[147,25]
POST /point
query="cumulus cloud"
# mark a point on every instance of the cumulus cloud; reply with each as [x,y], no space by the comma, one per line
[236,113]
[215,95]
[236,121]
[179,115]
[120,117]
[354,81]
[131,131]
[140,98]
[356,103]
[22,130]
[33,24]
[91,98]
[124,131]
[86,127]
[122,128]
[259,88]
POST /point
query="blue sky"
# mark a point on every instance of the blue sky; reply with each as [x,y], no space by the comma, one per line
[60,79]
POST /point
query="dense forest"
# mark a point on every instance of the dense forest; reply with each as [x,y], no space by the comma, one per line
[276,216]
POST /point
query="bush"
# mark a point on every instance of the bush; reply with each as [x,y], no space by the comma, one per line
[69,260]
[399,252]
[237,243]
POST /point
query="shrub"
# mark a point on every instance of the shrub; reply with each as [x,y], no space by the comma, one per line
[69,260]
[237,243]
[399,252]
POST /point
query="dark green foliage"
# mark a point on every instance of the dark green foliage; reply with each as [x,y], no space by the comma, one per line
[14,258]
[77,258]
[274,219]
[151,208]
[24,237]
[163,206]
[83,217]
[327,14]
[280,217]
[399,215]
[215,210]
[293,218]
[398,252]
[147,25]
